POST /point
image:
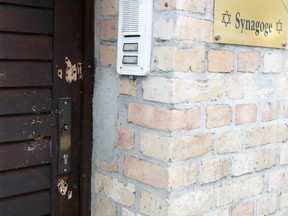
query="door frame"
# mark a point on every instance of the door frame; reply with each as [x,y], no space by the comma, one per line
[88,79]
[83,152]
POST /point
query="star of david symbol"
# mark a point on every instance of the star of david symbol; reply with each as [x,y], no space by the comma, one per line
[226,18]
[279,26]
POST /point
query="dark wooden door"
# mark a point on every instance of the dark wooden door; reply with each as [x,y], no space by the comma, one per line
[41,60]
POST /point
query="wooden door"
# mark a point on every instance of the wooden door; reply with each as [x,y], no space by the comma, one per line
[43,58]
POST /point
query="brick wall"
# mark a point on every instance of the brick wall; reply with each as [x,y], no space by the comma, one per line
[205,133]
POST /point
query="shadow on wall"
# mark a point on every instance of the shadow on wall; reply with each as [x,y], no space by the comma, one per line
[105,113]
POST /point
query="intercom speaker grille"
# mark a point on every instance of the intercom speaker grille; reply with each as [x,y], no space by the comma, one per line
[131,16]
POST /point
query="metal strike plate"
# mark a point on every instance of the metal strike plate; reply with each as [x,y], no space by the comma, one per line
[64,134]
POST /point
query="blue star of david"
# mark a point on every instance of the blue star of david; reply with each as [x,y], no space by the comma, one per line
[226,18]
[279,26]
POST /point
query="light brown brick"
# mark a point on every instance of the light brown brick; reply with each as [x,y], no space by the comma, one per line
[146,172]
[127,86]
[267,205]
[211,7]
[195,6]
[108,56]
[159,177]
[164,28]
[265,159]
[109,167]
[241,87]
[163,58]
[192,203]
[176,149]
[188,147]
[155,146]
[130,212]
[246,113]
[126,138]
[105,208]
[127,212]
[238,190]
[109,30]
[168,90]
[153,204]
[278,179]
[248,61]
[188,177]
[220,61]
[232,141]
[265,91]
[281,87]
[281,213]
[184,31]
[270,111]
[165,5]
[218,116]
[259,136]
[163,119]
[285,108]
[283,199]
[158,89]
[189,60]
[242,164]
[273,62]
[117,191]
[168,58]
[213,170]
[193,90]
[109,7]
[246,209]
[283,155]
[221,212]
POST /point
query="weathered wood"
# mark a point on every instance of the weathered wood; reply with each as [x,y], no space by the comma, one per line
[35,3]
[25,47]
[25,154]
[22,74]
[68,43]
[28,205]
[18,128]
[28,141]
[25,101]
[19,19]
[25,166]
[24,181]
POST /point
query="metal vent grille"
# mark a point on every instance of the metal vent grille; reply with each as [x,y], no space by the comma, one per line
[131,16]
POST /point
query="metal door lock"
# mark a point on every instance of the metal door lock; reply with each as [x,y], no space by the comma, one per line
[65,157]
[64,134]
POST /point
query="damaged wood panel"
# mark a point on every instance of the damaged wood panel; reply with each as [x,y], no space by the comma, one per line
[28,20]
[35,3]
[25,47]
[24,181]
[25,154]
[23,101]
[24,74]
[18,128]
[34,204]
